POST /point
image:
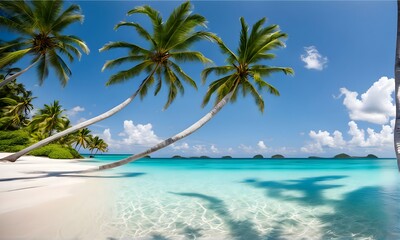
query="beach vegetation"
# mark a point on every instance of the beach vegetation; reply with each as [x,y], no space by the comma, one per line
[49,120]
[38,27]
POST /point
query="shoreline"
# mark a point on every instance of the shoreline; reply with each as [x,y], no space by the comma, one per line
[40,200]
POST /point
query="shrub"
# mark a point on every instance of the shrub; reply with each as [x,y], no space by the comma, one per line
[56,151]
[13,141]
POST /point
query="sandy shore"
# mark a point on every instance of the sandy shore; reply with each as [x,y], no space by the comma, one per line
[39,201]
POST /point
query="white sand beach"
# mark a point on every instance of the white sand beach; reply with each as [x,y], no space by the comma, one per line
[39,200]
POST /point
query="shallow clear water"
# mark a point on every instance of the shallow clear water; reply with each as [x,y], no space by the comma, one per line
[255,199]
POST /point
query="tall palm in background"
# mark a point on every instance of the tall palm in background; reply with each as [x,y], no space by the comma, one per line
[49,119]
[168,42]
[82,138]
[40,25]
[97,144]
[243,73]
[16,110]
[396,132]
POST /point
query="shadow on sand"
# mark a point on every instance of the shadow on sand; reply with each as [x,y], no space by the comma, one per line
[46,174]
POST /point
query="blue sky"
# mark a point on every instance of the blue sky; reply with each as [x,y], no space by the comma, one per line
[338,49]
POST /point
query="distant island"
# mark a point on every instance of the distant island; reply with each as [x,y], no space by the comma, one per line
[344,155]
[277,156]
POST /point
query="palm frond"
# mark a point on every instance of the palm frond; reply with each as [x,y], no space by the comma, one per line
[183,75]
[70,15]
[11,57]
[75,40]
[127,74]
[221,70]
[60,67]
[190,56]
[119,61]
[139,29]
[132,47]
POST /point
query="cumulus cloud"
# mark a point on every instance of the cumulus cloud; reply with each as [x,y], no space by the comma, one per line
[313,59]
[183,146]
[357,138]
[133,136]
[261,145]
[139,134]
[74,111]
[376,105]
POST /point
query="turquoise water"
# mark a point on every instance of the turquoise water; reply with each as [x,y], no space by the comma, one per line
[255,199]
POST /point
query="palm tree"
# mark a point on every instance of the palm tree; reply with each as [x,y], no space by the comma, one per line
[82,138]
[397,86]
[97,144]
[40,25]
[242,72]
[169,44]
[17,109]
[49,119]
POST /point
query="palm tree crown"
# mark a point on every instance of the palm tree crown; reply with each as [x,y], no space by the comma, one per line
[169,43]
[40,24]
[49,119]
[243,69]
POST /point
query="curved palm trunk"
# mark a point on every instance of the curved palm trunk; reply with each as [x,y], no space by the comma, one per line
[397,86]
[197,125]
[14,76]
[109,113]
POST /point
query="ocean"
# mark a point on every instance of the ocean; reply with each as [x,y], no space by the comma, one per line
[251,199]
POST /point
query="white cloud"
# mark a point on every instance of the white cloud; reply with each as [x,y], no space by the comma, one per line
[133,137]
[74,111]
[200,149]
[313,59]
[139,134]
[376,105]
[261,145]
[183,146]
[214,149]
[358,138]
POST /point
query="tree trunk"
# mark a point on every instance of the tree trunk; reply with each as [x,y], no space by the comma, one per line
[15,156]
[14,76]
[109,113]
[197,125]
[396,129]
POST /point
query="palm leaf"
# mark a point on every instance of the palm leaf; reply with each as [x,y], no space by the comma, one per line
[127,74]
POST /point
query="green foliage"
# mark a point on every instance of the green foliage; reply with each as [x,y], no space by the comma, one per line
[278,156]
[13,141]
[169,42]
[56,151]
[258,156]
[178,156]
[38,27]
[226,157]
[244,73]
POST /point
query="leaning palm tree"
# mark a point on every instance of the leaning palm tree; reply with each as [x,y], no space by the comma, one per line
[243,73]
[396,129]
[40,25]
[169,44]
